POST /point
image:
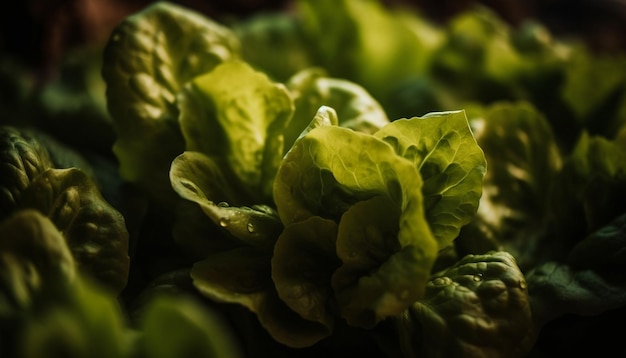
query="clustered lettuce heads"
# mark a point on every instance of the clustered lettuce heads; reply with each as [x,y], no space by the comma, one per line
[304,183]
[284,174]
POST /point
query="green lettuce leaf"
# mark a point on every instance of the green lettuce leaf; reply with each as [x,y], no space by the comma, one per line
[379,277]
[47,307]
[329,170]
[590,189]
[86,321]
[451,163]
[604,248]
[557,289]
[524,160]
[177,326]
[94,231]
[22,159]
[274,43]
[241,126]
[592,83]
[148,59]
[366,42]
[478,307]
[243,276]
[355,107]
[34,258]
[196,178]
[304,259]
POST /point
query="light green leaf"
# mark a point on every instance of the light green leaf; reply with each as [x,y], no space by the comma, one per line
[366,42]
[379,277]
[303,263]
[452,165]
[238,114]
[196,177]
[355,107]
[331,169]
[148,59]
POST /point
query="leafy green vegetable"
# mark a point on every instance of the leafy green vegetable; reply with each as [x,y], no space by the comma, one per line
[394,44]
[603,248]
[34,258]
[515,207]
[84,322]
[274,43]
[354,105]
[147,61]
[325,173]
[304,259]
[94,231]
[478,307]
[46,308]
[180,327]
[450,162]
[243,275]
[241,125]
[557,289]
[379,277]
[591,82]
[23,159]
[321,211]
[589,190]
[196,178]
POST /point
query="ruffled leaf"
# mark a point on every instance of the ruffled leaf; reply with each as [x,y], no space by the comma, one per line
[451,163]
[479,307]
[242,125]
[94,231]
[148,59]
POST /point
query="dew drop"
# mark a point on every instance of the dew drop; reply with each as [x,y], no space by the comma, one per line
[522,284]
[251,227]
[224,222]
[223,204]
[478,277]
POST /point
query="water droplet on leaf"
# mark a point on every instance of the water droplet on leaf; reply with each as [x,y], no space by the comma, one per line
[250,227]
[224,222]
